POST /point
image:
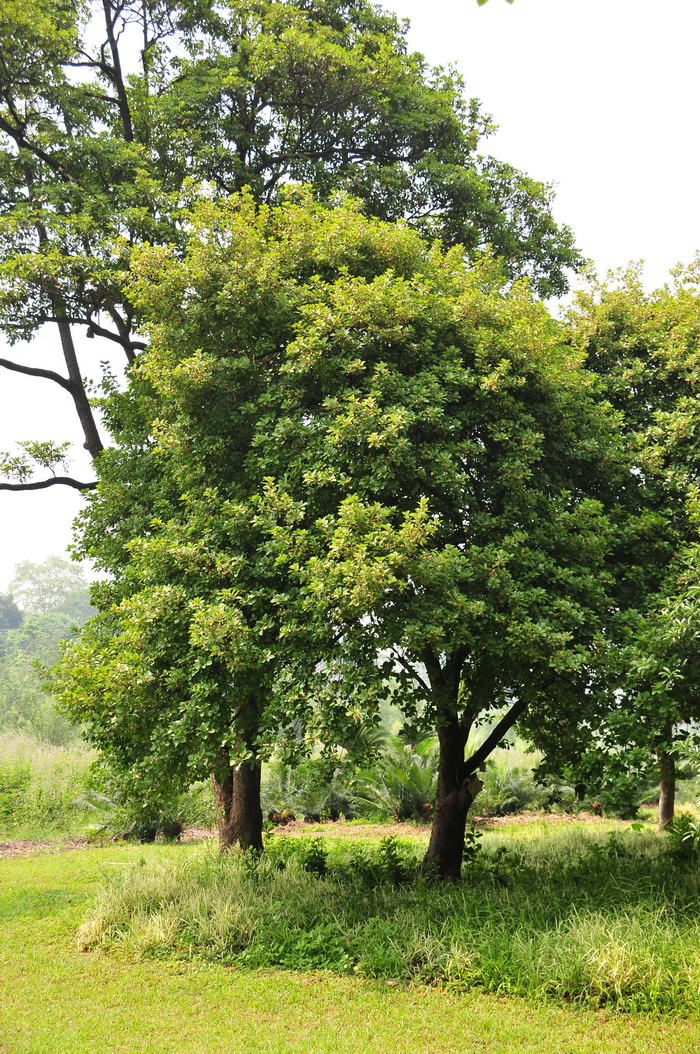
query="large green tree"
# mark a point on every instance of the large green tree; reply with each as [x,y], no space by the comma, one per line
[389,464]
[112,113]
[644,347]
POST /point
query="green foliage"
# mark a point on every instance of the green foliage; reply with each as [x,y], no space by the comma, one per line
[48,454]
[41,788]
[643,695]
[10,615]
[55,598]
[94,161]
[380,393]
[312,789]
[509,786]
[579,916]
[683,835]
[57,585]
[402,780]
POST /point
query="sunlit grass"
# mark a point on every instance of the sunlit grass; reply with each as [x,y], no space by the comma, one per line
[55,999]
[577,914]
[41,788]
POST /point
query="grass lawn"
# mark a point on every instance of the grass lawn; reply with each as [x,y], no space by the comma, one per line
[54,998]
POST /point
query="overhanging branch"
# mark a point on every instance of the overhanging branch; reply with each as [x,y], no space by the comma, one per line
[55,481]
[35,371]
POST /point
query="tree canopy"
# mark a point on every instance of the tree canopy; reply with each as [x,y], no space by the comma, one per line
[114,115]
[643,346]
[389,464]
[54,602]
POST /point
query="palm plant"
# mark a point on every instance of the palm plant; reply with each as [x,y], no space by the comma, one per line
[402,781]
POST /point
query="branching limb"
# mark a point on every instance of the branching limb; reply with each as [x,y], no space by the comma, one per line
[407,668]
[42,484]
[493,739]
[35,371]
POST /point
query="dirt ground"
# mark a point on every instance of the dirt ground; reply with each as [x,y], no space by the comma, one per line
[340,828]
[403,830]
[27,847]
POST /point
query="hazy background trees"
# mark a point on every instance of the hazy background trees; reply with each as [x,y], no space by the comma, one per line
[47,605]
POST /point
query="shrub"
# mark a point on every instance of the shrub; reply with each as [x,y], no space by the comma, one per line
[402,781]
[577,915]
[41,787]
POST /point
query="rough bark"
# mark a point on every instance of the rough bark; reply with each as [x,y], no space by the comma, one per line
[458,786]
[238,811]
[667,788]
[455,794]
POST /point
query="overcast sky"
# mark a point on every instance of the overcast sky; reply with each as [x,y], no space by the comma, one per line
[599,97]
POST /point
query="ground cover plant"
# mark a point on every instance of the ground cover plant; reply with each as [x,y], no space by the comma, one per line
[605,918]
[57,794]
[154,1005]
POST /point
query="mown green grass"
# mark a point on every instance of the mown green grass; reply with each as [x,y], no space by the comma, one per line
[578,916]
[55,998]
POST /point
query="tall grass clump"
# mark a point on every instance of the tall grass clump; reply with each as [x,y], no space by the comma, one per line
[40,786]
[579,916]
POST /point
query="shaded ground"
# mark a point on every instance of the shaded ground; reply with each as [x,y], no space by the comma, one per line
[339,828]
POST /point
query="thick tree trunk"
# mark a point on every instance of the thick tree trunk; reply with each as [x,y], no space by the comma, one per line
[454,797]
[458,786]
[667,788]
[238,810]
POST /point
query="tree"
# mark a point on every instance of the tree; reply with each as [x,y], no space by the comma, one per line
[644,348]
[382,452]
[10,615]
[55,600]
[56,585]
[112,114]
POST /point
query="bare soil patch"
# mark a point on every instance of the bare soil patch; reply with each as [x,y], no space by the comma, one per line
[338,828]
[27,847]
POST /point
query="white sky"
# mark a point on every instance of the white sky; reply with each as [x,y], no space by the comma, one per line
[600,97]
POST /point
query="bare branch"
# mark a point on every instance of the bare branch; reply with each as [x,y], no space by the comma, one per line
[42,484]
[21,140]
[35,371]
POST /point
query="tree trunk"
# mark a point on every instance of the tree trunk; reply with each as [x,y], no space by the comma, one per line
[667,788]
[238,810]
[454,797]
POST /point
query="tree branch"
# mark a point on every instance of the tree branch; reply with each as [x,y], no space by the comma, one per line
[21,140]
[493,739]
[410,670]
[35,371]
[62,481]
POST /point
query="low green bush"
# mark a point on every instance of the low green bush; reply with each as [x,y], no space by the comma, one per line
[578,915]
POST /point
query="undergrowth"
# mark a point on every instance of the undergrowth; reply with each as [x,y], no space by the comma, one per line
[41,786]
[575,915]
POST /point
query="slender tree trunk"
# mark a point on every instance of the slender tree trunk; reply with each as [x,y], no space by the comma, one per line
[116,75]
[238,810]
[93,442]
[667,788]
[454,797]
